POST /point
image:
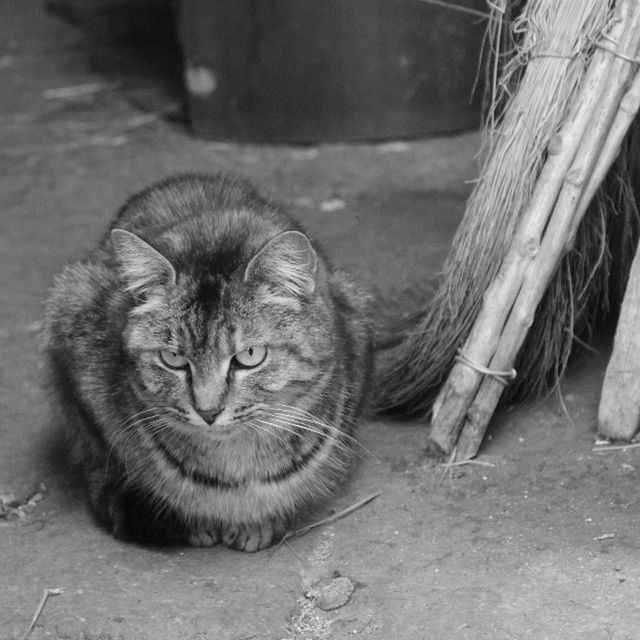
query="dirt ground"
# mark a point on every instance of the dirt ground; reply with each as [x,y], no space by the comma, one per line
[538,539]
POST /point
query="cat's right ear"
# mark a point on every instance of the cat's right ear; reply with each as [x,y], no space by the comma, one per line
[287,261]
[142,266]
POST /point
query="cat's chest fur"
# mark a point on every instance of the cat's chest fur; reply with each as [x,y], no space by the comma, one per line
[210,366]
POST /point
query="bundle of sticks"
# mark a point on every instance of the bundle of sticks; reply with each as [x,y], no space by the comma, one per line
[577,160]
[582,75]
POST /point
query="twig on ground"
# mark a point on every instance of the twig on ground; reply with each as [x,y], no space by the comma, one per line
[563,404]
[447,466]
[605,536]
[605,448]
[333,518]
[45,596]
[92,141]
[460,463]
[289,549]
[12,508]
[77,91]
[144,119]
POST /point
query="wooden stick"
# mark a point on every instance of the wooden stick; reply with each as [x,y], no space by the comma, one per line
[618,413]
[456,396]
[45,596]
[619,410]
[330,519]
[615,447]
[627,112]
[568,212]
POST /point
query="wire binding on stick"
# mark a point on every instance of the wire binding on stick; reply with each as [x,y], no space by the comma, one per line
[616,53]
[503,377]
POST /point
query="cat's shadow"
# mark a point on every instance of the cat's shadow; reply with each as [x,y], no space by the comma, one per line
[64,482]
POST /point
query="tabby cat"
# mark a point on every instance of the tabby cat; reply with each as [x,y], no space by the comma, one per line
[210,366]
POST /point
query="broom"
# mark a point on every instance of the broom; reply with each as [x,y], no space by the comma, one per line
[554,42]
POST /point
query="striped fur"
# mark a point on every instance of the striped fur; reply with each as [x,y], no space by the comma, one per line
[204,271]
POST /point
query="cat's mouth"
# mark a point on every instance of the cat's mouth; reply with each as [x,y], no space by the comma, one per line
[222,432]
[222,428]
[226,426]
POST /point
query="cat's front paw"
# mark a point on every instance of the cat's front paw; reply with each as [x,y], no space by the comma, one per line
[130,514]
[106,501]
[203,537]
[253,536]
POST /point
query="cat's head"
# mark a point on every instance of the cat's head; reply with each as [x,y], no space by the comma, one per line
[215,346]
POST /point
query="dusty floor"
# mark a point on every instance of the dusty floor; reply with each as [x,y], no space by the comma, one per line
[540,541]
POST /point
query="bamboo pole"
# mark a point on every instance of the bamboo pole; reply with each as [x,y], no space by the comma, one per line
[531,261]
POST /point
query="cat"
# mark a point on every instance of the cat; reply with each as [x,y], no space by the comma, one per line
[210,366]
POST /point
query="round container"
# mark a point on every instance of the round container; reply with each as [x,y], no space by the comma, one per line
[308,71]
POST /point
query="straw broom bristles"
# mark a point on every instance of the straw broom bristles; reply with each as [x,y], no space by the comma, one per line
[546,69]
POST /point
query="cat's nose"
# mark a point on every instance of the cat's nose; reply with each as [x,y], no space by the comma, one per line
[209,415]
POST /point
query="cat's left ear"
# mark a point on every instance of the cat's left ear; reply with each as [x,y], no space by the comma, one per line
[287,261]
[142,266]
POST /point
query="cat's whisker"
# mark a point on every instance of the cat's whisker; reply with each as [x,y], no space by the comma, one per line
[128,426]
[347,419]
[285,426]
[264,430]
[121,442]
[284,421]
[134,417]
[306,414]
[336,460]
[318,422]
[311,422]
[131,422]
[277,427]
[150,420]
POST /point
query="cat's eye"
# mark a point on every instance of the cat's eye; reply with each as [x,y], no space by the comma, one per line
[251,357]
[173,360]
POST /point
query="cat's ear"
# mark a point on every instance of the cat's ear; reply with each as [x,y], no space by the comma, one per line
[142,266]
[287,261]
